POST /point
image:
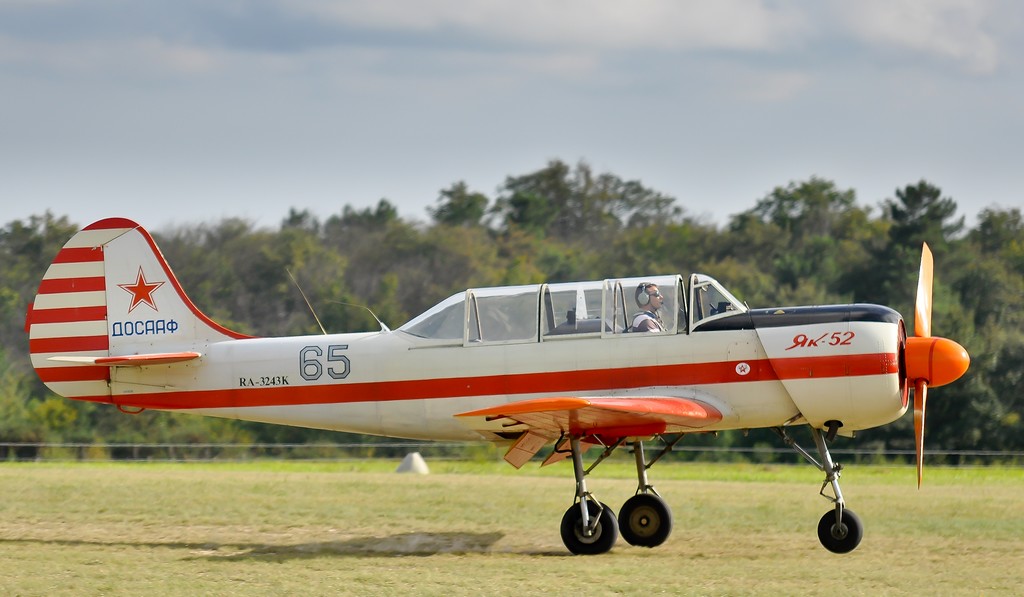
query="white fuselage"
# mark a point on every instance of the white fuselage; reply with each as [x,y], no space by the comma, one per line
[394,384]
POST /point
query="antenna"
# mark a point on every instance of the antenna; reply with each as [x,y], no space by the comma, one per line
[383,326]
[311,310]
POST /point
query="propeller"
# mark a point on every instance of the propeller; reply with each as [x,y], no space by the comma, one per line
[931,361]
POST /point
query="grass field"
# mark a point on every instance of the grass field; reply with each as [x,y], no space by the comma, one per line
[356,528]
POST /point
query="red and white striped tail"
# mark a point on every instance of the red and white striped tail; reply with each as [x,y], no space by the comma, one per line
[109,293]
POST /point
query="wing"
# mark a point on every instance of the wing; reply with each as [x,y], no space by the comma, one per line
[548,418]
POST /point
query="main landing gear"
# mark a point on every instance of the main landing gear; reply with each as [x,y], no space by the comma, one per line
[839,530]
[590,527]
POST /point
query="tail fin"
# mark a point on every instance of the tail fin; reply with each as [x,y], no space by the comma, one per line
[109,299]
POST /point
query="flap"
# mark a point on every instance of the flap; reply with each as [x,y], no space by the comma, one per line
[526,447]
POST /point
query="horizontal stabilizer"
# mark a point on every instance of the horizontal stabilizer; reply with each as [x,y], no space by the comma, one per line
[131,360]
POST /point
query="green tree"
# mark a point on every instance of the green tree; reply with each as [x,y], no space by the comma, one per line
[457,206]
[575,205]
[17,424]
[1000,233]
[810,234]
[302,220]
[918,214]
[27,247]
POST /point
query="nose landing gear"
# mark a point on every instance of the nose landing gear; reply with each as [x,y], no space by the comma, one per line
[839,530]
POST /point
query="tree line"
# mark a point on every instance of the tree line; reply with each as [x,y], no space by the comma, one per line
[807,242]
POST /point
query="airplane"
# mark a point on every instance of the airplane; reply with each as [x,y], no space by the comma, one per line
[527,367]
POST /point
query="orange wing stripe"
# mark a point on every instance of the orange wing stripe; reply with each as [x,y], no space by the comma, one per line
[529,406]
[611,416]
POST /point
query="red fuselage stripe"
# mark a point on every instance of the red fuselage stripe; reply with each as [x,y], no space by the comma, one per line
[591,380]
[844,366]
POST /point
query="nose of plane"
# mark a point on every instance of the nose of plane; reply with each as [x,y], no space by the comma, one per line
[937,361]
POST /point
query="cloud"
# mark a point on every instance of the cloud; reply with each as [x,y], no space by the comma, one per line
[542,37]
[960,31]
[770,86]
[112,57]
[595,24]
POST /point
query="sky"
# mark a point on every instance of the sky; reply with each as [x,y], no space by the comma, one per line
[178,112]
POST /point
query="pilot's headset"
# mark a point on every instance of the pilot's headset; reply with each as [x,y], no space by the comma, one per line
[642,298]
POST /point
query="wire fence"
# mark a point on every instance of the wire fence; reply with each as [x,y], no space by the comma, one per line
[477,451]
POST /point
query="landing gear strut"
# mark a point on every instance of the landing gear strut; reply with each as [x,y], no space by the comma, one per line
[839,530]
[645,520]
[588,526]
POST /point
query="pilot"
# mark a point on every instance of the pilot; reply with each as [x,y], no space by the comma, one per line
[650,299]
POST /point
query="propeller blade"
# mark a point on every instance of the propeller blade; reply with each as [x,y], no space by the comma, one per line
[920,398]
[923,307]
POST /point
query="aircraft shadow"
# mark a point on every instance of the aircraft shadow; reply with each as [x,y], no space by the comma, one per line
[402,544]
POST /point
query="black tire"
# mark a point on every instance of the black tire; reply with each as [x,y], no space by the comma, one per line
[842,538]
[604,537]
[645,520]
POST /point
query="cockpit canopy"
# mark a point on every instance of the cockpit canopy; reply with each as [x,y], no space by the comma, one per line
[546,312]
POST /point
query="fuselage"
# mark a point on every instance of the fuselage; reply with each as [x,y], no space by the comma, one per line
[759,369]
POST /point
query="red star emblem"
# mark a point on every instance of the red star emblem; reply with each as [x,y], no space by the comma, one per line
[141,291]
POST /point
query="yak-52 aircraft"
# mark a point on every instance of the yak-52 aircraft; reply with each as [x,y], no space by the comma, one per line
[528,366]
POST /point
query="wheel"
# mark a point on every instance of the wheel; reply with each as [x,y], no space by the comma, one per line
[604,536]
[645,520]
[840,538]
